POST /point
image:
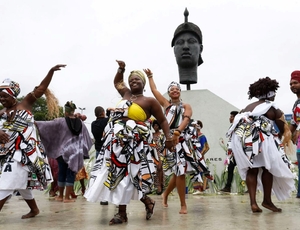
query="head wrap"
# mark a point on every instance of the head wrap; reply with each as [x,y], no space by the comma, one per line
[10,87]
[138,73]
[268,95]
[173,83]
[295,75]
[70,107]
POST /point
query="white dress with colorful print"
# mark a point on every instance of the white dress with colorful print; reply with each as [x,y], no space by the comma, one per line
[23,163]
[124,168]
[255,143]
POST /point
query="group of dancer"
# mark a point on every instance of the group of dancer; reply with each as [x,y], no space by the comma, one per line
[128,157]
[127,161]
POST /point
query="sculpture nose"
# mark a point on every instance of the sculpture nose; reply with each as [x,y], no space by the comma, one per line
[186,45]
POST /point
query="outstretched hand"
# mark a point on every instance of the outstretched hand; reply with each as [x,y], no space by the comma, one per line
[148,72]
[121,64]
[58,67]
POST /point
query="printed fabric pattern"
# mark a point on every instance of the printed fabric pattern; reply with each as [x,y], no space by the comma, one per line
[23,157]
[186,157]
[127,151]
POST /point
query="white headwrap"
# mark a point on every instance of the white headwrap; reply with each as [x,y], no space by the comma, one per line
[268,95]
[173,83]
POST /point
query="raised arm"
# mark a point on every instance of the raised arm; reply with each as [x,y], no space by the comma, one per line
[119,79]
[161,99]
[40,90]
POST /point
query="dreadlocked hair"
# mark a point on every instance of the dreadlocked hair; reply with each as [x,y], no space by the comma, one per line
[52,104]
[262,87]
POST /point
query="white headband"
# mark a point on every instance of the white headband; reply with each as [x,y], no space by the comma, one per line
[173,83]
[268,95]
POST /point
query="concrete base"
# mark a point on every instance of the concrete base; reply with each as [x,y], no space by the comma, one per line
[226,212]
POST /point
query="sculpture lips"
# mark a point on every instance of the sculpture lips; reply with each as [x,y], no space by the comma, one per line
[186,55]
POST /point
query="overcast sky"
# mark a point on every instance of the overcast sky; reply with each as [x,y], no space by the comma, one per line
[243,41]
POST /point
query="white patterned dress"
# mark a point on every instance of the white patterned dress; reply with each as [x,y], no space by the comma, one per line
[186,158]
[23,163]
[124,168]
[255,143]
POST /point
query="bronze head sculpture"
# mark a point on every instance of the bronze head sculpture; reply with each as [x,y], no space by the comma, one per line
[187,42]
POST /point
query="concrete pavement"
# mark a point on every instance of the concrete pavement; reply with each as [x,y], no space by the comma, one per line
[207,211]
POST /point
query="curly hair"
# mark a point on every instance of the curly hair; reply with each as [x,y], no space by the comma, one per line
[262,87]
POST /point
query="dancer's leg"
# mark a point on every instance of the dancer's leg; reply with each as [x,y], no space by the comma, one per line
[267,181]
[149,205]
[29,199]
[169,189]
[180,184]
[120,217]
[251,181]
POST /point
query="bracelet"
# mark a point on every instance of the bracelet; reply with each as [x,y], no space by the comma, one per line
[176,133]
[121,70]
[188,117]
[178,130]
[149,76]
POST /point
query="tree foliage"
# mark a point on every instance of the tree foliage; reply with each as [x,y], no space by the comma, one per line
[40,110]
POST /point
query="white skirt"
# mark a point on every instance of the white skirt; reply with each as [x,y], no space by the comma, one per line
[270,158]
[121,195]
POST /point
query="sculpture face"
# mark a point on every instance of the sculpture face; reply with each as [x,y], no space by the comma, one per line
[187,50]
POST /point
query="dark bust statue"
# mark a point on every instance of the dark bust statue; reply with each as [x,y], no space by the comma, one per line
[187,42]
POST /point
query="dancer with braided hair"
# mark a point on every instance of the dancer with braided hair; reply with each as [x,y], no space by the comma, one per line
[255,140]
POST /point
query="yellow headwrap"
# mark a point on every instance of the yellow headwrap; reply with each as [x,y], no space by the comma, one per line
[138,73]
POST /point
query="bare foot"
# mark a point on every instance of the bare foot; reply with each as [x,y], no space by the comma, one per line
[31,214]
[255,208]
[58,198]
[165,200]
[69,200]
[183,210]
[271,207]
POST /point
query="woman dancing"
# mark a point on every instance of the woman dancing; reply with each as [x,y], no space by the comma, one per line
[124,167]
[255,140]
[185,157]
[23,163]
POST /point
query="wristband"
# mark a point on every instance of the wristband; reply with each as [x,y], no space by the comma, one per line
[178,130]
[176,133]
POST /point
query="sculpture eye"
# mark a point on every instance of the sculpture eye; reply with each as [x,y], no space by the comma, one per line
[179,42]
[192,40]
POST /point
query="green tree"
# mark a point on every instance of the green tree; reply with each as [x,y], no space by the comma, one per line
[40,110]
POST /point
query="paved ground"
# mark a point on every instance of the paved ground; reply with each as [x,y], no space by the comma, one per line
[205,212]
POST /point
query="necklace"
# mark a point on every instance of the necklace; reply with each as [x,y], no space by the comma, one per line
[175,102]
[134,97]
